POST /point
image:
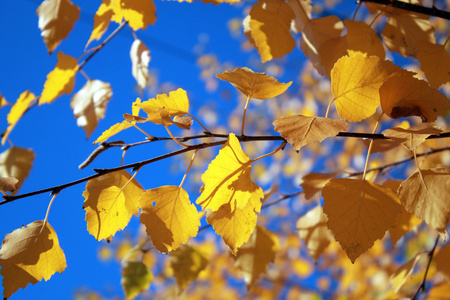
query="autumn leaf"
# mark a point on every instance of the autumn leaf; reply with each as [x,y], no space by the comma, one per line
[8,184]
[426,194]
[442,261]
[61,80]
[313,183]
[16,162]
[28,255]
[411,138]
[253,84]
[361,38]
[312,228]
[136,278]
[227,180]
[302,12]
[359,212]
[169,217]
[269,23]
[355,82]
[439,291]
[138,14]
[186,262]
[301,130]
[434,62]
[400,276]
[102,19]
[56,19]
[3,101]
[328,54]
[140,58]
[17,111]
[404,96]
[255,255]
[110,201]
[235,226]
[89,104]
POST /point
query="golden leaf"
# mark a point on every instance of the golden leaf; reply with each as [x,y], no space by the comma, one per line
[138,14]
[28,255]
[427,194]
[16,162]
[442,261]
[434,62]
[140,58]
[17,111]
[253,84]
[301,130]
[61,80]
[110,201]
[169,217]
[102,19]
[313,183]
[361,38]
[411,138]
[136,278]
[400,276]
[359,212]
[302,11]
[114,129]
[3,101]
[227,180]
[186,262]
[56,19]
[255,255]
[89,104]
[404,96]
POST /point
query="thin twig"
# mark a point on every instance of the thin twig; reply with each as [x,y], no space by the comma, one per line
[430,11]
[430,257]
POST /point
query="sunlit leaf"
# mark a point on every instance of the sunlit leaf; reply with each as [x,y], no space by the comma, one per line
[313,183]
[28,255]
[442,261]
[102,19]
[186,262]
[255,255]
[56,19]
[253,84]
[110,201]
[136,278]
[227,180]
[140,58]
[411,138]
[428,199]
[16,162]
[400,276]
[89,104]
[359,213]
[3,101]
[61,80]
[301,130]
[434,62]
[17,111]
[169,217]
[302,11]
[404,96]
[114,129]
[138,14]
[361,38]
[312,228]
[8,184]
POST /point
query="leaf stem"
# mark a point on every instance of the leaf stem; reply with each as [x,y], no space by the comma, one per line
[148,135]
[204,128]
[48,208]
[369,151]
[245,112]
[174,138]
[269,154]
[329,107]
[189,168]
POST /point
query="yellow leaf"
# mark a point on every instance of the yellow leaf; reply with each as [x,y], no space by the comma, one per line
[313,183]
[140,58]
[428,199]
[301,130]
[136,278]
[404,96]
[138,14]
[227,180]
[186,262]
[270,21]
[110,201]
[442,261]
[3,101]
[236,226]
[362,39]
[359,212]
[253,84]
[114,129]
[312,228]
[28,255]
[169,217]
[411,138]
[355,82]
[61,80]
[400,276]
[56,19]
[17,111]
[302,11]
[89,104]
[434,62]
[16,162]
[256,254]
[102,19]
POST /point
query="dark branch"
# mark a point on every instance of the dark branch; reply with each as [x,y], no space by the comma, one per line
[430,11]
[430,257]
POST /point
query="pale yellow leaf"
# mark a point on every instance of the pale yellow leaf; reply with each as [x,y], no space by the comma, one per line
[411,138]
[114,129]
[400,276]
[434,62]
[102,19]
[313,183]
[186,262]
[140,58]
[16,162]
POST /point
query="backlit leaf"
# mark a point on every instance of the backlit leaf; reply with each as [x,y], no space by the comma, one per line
[136,278]
[400,276]
[56,19]
[114,129]
[186,262]
[361,38]
[301,130]
[359,213]
[313,183]
[17,111]
[442,261]
[140,58]
[61,80]
[3,101]
[270,22]
[302,11]
[28,255]
[411,138]
[169,217]
[253,84]
[227,180]
[312,228]
[102,19]
[16,162]
[110,202]
[138,14]
[404,96]
[434,62]
[428,199]
[255,255]
[89,104]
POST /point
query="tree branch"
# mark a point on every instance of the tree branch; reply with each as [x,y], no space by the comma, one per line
[430,257]
[430,11]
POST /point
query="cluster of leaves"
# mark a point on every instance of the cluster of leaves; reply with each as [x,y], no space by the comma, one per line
[358,209]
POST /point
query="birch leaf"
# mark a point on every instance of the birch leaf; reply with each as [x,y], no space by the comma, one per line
[313,183]
[140,58]
[400,276]
[16,162]
[186,263]
[102,19]
[411,138]
[138,14]
[361,38]
[136,278]
[302,11]
[435,63]
[442,261]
